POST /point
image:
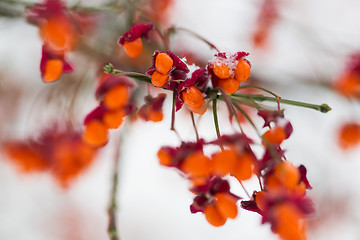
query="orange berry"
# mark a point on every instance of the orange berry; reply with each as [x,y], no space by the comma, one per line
[53,70]
[244,168]
[193,97]
[159,79]
[214,217]
[117,97]
[289,223]
[113,119]
[197,164]
[287,174]
[58,33]
[300,190]
[194,100]
[275,136]
[230,85]
[70,158]
[274,185]
[163,63]
[96,133]
[260,200]
[226,205]
[164,157]
[223,162]
[242,71]
[155,116]
[27,159]
[349,135]
[349,84]
[134,48]
[222,70]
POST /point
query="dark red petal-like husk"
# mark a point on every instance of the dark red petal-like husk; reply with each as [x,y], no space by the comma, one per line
[178,64]
[199,204]
[49,8]
[192,80]
[136,31]
[288,129]
[158,102]
[303,177]
[112,81]
[270,116]
[47,55]
[96,114]
[237,138]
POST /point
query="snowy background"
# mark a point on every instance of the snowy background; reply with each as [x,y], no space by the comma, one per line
[311,41]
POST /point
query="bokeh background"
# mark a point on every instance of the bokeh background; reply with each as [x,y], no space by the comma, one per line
[306,49]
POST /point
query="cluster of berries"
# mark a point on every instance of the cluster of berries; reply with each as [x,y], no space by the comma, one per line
[348,85]
[282,200]
[60,151]
[113,94]
[59,34]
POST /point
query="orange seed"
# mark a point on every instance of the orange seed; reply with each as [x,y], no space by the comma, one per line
[349,135]
[134,48]
[287,174]
[96,133]
[242,71]
[221,70]
[53,70]
[193,97]
[163,63]
[58,33]
[275,136]
[214,217]
[155,116]
[226,205]
[158,79]
[113,119]
[164,157]
[223,162]
[244,168]
[197,164]
[289,223]
[230,85]
[117,97]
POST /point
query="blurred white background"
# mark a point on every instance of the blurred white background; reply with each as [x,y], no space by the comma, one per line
[310,42]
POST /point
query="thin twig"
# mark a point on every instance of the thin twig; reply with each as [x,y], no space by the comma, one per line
[194,125]
[112,228]
[174,29]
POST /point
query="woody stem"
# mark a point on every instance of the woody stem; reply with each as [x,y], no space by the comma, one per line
[173,112]
[247,193]
[194,125]
[174,29]
[112,227]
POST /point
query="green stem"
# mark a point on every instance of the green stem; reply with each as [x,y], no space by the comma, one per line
[216,122]
[224,96]
[247,117]
[324,108]
[260,88]
[109,69]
